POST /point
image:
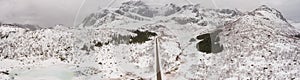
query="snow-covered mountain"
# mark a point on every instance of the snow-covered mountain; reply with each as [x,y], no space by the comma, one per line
[193,43]
[297,25]
[24,26]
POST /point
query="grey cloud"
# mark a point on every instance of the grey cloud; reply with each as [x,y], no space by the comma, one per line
[42,12]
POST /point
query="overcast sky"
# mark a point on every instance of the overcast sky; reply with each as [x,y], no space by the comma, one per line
[52,12]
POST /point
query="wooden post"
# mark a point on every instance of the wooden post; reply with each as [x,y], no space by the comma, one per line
[158,71]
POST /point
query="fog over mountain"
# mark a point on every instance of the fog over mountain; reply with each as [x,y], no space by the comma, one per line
[52,12]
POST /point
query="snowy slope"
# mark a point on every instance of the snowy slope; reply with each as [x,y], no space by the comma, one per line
[120,43]
[253,46]
[297,25]
[70,47]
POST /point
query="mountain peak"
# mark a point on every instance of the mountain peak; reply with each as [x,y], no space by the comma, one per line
[23,26]
[134,3]
[269,12]
[264,7]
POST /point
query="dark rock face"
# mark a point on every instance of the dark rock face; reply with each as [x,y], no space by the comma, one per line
[141,37]
[85,48]
[99,44]
[298,36]
[209,43]
[3,36]
[4,72]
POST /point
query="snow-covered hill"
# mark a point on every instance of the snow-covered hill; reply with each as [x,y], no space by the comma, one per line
[193,43]
[297,25]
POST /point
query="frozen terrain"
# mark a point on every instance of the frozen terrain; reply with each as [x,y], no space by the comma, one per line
[192,43]
[297,25]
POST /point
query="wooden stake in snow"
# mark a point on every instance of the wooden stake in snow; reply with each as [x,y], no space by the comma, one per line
[158,71]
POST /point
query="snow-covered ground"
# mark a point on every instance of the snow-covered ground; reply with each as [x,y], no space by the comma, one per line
[297,25]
